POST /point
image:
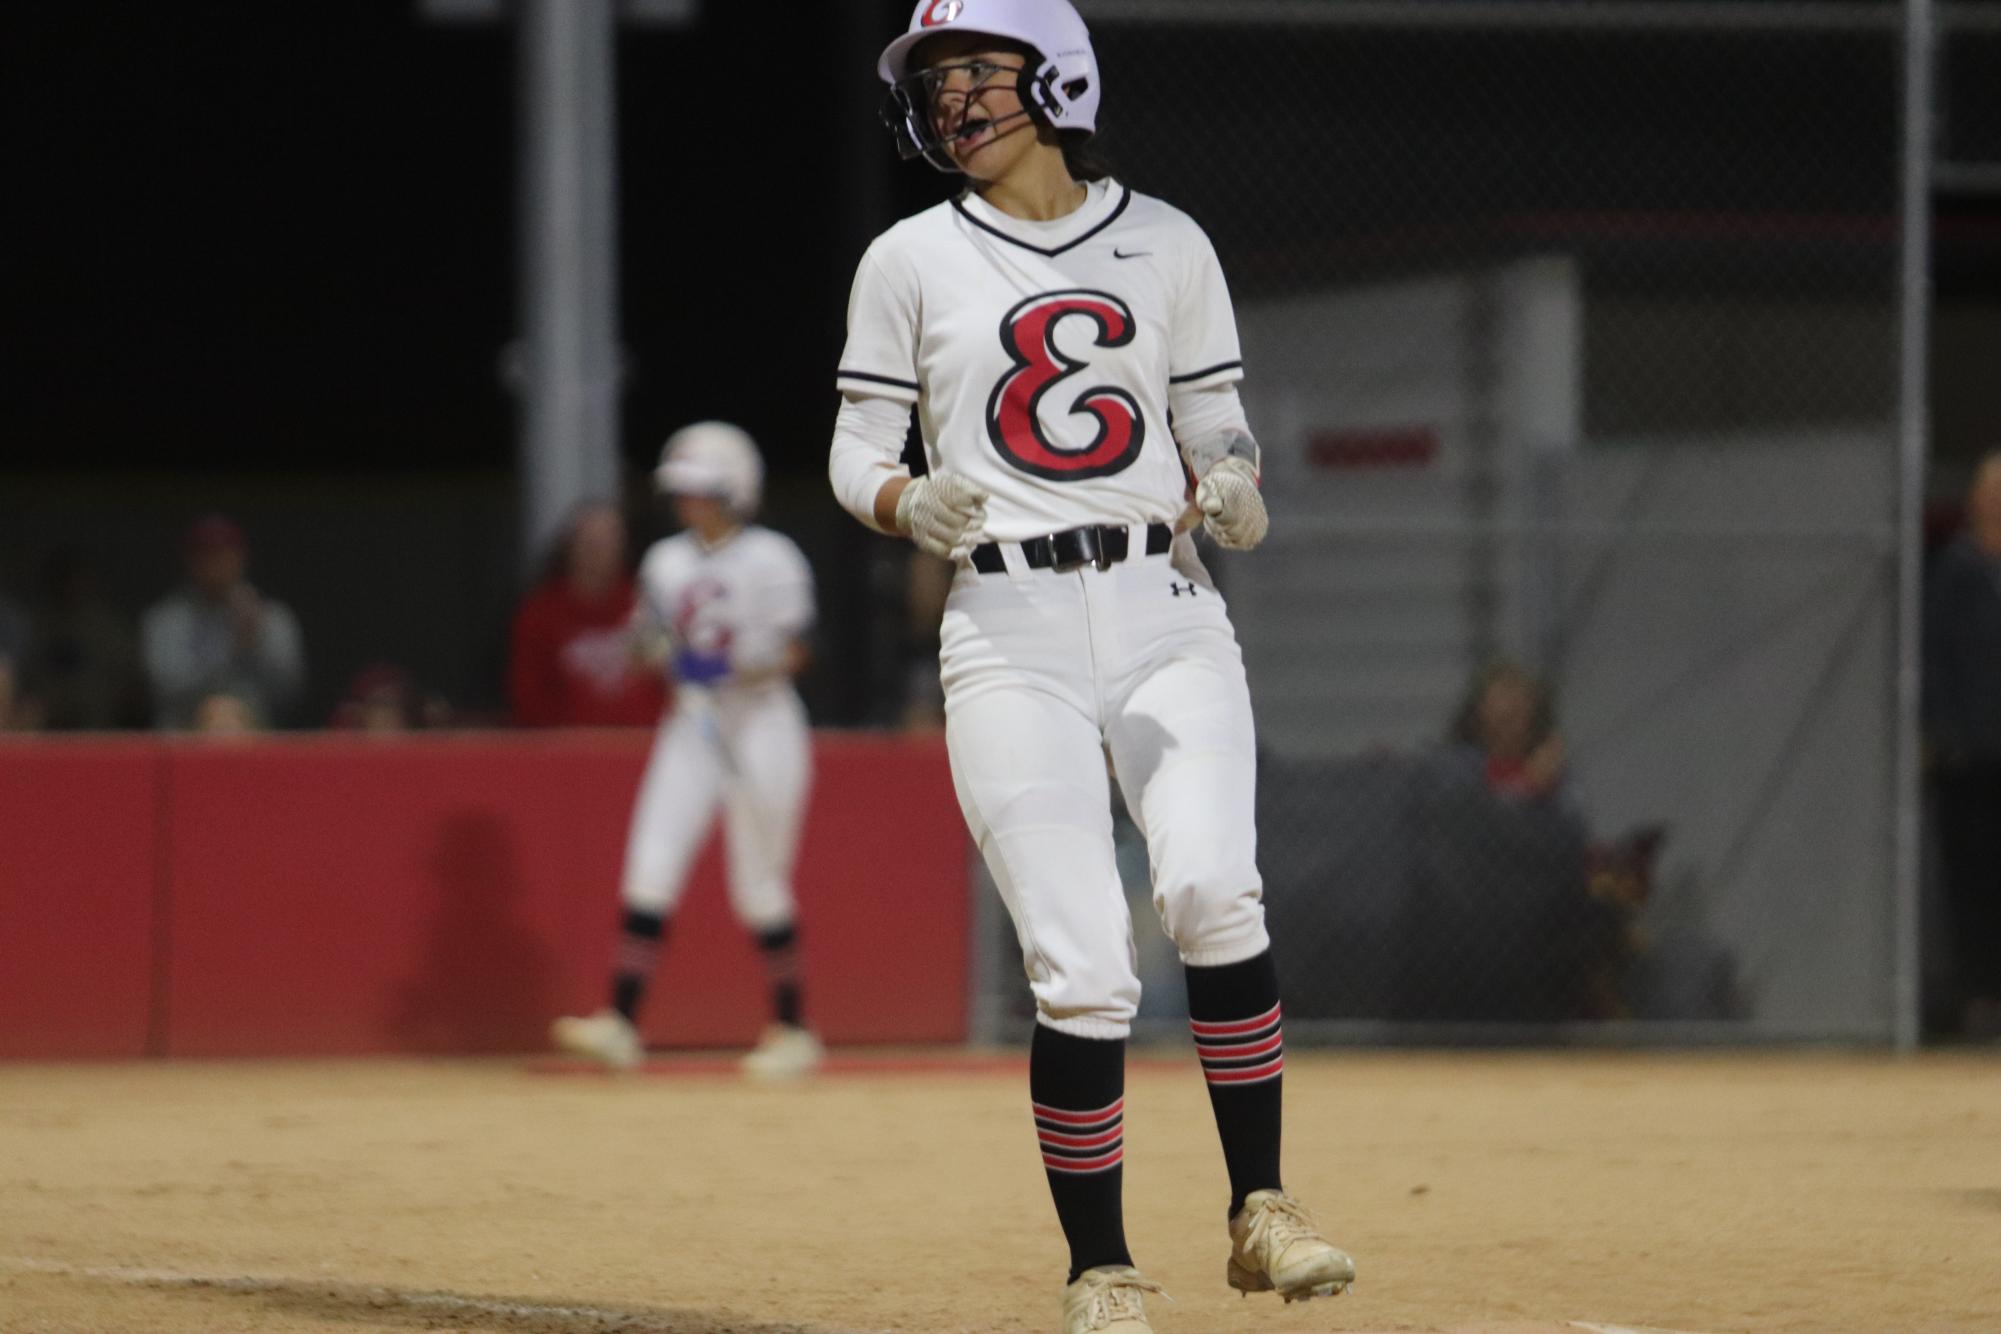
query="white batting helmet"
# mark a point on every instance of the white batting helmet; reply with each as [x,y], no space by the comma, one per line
[1061,93]
[713,459]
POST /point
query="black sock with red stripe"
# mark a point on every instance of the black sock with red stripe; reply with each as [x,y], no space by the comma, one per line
[1234,1013]
[781,964]
[639,941]
[1077,1086]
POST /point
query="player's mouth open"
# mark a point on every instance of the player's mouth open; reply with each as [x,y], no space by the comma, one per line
[971,134]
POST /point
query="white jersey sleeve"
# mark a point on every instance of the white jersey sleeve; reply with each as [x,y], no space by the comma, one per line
[788,595]
[777,603]
[881,355]
[1204,351]
[867,453]
[653,610]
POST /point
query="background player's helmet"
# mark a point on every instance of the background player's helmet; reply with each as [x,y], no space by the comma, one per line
[1061,93]
[713,459]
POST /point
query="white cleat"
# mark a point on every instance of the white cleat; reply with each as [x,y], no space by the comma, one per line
[1107,1300]
[606,1037]
[784,1052]
[1274,1248]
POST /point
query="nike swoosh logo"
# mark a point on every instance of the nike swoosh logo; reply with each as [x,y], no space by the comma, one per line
[1121,254]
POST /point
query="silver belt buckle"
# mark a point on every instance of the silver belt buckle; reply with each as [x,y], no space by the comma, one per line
[1075,548]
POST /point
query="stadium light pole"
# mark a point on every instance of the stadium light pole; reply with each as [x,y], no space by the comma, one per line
[569,350]
[566,363]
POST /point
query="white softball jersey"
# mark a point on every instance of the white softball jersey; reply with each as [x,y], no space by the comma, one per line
[730,610]
[743,600]
[1043,359]
[1041,355]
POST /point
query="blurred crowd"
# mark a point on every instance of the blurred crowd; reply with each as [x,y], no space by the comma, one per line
[221,654]
[215,654]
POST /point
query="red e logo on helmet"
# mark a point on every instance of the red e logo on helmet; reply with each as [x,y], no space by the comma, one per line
[941,11]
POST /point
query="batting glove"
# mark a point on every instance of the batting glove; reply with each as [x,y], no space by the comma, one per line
[943,513]
[1233,510]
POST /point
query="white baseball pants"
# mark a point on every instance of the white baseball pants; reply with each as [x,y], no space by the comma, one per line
[749,750]
[1046,675]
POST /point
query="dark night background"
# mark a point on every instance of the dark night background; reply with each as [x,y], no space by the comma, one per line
[267,264]
[277,237]
[261,257]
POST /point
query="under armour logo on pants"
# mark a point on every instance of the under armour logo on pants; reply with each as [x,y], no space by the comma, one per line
[1179,589]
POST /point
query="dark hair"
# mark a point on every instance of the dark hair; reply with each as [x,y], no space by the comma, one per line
[1083,158]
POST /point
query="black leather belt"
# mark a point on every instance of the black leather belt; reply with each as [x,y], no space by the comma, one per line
[1099,544]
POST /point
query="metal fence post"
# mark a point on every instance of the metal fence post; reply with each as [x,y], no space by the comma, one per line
[1913,441]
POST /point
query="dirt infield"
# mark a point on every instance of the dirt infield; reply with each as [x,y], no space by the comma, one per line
[1516,1192]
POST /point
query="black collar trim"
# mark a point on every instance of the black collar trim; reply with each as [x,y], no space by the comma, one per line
[1125,198]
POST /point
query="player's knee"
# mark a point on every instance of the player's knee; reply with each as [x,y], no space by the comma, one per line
[1212,910]
[1096,1003]
[647,895]
[764,908]
[1105,1019]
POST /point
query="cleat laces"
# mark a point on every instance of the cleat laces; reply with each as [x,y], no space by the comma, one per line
[1279,1223]
[1117,1297]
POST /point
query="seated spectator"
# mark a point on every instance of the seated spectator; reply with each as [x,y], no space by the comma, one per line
[15,713]
[218,636]
[83,669]
[14,643]
[385,699]
[14,631]
[571,662]
[1962,733]
[1462,884]
[1501,923]
[1507,729]
[226,714]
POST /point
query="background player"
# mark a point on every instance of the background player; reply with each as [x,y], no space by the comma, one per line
[1047,325]
[731,602]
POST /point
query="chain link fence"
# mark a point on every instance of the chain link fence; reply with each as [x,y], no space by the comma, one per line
[1572,339]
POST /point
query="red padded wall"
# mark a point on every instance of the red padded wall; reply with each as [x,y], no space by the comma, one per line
[349,895]
[454,894]
[79,827]
[325,895]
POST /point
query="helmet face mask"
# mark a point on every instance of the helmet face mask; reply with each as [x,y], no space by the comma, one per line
[912,109]
[1058,82]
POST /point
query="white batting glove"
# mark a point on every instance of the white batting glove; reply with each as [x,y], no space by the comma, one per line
[943,513]
[1233,511]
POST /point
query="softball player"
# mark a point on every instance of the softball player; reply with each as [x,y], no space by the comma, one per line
[1071,352]
[731,601]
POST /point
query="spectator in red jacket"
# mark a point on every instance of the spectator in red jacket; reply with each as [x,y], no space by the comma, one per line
[570,662]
